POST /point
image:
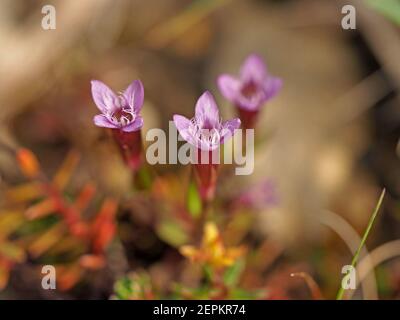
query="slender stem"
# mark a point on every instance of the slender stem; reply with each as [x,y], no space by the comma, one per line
[205,212]
[363,240]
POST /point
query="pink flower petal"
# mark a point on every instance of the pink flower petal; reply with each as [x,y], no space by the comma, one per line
[228,129]
[104,98]
[272,86]
[134,126]
[229,86]
[207,110]
[182,124]
[102,121]
[253,69]
[206,105]
[134,95]
[250,104]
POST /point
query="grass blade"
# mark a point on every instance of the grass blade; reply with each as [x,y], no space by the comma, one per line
[363,240]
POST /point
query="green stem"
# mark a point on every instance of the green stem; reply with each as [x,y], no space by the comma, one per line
[205,212]
[363,240]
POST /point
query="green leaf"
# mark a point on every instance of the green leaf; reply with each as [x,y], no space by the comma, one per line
[194,201]
[232,274]
[363,240]
[241,294]
[12,252]
[133,286]
[172,233]
[143,179]
[389,8]
[37,226]
[208,272]
[123,288]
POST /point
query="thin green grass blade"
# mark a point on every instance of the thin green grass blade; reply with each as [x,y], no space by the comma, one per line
[363,240]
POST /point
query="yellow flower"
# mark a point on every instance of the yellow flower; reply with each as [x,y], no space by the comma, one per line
[212,249]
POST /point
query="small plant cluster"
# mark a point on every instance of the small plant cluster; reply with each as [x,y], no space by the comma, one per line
[202,232]
[185,234]
[45,223]
[192,223]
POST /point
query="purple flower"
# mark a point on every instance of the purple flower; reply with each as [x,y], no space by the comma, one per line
[206,131]
[118,111]
[253,87]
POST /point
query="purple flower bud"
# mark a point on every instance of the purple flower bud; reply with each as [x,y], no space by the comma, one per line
[251,89]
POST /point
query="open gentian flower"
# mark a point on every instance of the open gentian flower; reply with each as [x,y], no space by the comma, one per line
[121,114]
[251,89]
[206,132]
[118,111]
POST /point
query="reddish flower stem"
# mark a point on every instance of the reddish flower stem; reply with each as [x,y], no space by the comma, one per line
[206,175]
[248,118]
[130,146]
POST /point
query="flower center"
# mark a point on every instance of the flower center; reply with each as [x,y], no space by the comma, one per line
[203,132]
[249,90]
[123,116]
